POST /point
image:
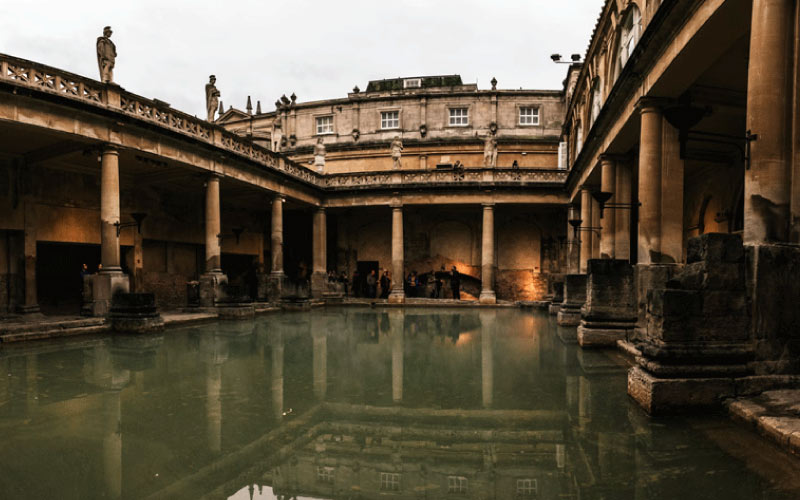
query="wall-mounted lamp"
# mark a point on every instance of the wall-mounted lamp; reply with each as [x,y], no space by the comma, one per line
[138,217]
[237,233]
[602,198]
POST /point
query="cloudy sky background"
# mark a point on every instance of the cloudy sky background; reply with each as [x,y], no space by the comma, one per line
[317,49]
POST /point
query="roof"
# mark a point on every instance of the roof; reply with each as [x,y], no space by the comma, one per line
[426,82]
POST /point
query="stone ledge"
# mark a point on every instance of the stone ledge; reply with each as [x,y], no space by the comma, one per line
[773,414]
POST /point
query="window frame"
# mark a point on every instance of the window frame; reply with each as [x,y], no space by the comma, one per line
[412,83]
[387,111]
[538,115]
[317,119]
[450,116]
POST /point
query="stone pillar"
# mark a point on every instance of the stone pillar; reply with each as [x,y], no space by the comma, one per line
[31,304]
[608,184]
[138,262]
[397,326]
[487,256]
[596,223]
[319,276]
[649,244]
[573,250]
[671,197]
[574,298]
[110,280]
[213,279]
[585,237]
[622,217]
[609,313]
[397,295]
[277,276]
[767,186]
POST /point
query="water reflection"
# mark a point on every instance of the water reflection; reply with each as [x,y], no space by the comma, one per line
[354,403]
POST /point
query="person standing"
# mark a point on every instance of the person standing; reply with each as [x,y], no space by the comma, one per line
[438,284]
[372,284]
[386,284]
[455,283]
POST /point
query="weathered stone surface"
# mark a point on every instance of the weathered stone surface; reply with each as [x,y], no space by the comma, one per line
[669,395]
[610,293]
[717,247]
[600,337]
[135,313]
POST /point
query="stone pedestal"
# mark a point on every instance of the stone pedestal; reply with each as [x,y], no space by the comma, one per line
[648,277]
[319,284]
[558,298]
[697,340]
[106,285]
[135,313]
[275,285]
[262,287]
[574,297]
[609,313]
[211,288]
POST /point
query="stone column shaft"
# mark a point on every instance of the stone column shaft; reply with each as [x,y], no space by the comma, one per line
[31,304]
[597,224]
[487,256]
[109,210]
[277,235]
[649,244]
[608,184]
[319,266]
[622,217]
[767,183]
[671,197]
[397,294]
[585,236]
[213,226]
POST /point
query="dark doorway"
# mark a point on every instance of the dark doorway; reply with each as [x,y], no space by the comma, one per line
[241,271]
[58,275]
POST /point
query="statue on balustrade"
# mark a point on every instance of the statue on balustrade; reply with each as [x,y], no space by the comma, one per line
[212,97]
[490,151]
[106,55]
[319,155]
[397,151]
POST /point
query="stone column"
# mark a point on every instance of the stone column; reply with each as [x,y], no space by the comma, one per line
[277,276]
[397,295]
[110,279]
[31,305]
[138,262]
[397,326]
[213,226]
[767,183]
[622,217]
[573,249]
[319,276]
[487,256]
[649,244]
[671,197]
[595,223]
[585,237]
[608,184]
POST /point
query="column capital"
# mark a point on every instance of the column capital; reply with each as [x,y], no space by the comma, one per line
[610,158]
[109,149]
[214,176]
[396,205]
[320,209]
[649,104]
[279,198]
[487,204]
[586,187]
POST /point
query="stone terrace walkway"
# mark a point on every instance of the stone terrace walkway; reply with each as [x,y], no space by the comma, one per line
[774,414]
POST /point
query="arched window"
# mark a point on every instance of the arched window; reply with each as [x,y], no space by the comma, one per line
[578,140]
[630,32]
[597,100]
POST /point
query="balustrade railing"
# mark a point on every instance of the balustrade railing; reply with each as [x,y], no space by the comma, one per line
[51,80]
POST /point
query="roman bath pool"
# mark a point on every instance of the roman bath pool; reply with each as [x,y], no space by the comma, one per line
[358,403]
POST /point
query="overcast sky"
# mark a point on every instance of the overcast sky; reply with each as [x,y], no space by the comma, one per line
[317,49]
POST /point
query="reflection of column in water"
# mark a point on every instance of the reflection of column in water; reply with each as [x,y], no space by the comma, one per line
[214,407]
[31,383]
[560,456]
[397,325]
[488,319]
[584,402]
[572,394]
[320,360]
[277,376]
[112,443]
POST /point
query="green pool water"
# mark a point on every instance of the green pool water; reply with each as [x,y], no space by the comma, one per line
[358,403]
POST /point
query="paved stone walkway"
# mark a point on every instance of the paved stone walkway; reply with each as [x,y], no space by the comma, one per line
[774,414]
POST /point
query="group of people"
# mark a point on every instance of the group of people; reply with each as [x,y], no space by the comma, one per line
[377,284]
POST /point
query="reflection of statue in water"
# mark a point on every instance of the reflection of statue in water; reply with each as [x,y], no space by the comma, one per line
[106,55]
[490,151]
[397,152]
[319,155]
[212,97]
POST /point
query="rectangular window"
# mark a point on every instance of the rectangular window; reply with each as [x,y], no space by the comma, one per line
[456,484]
[324,125]
[325,474]
[527,488]
[528,115]
[459,117]
[390,481]
[412,83]
[390,119]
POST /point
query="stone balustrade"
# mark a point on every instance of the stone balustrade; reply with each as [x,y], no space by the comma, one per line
[29,74]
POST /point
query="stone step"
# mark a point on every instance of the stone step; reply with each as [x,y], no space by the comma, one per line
[26,335]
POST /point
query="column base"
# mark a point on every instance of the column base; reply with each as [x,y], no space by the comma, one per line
[487,297]
[262,287]
[553,309]
[569,315]
[29,310]
[211,288]
[106,285]
[135,313]
[319,284]
[602,333]
[397,297]
[658,396]
[275,285]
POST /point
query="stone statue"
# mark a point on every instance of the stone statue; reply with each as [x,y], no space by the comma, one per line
[319,155]
[490,151]
[397,152]
[212,97]
[106,55]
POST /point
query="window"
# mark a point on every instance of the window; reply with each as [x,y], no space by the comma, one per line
[324,125]
[456,484]
[390,119]
[527,488]
[412,83]
[325,474]
[390,481]
[528,115]
[629,35]
[459,117]
[597,99]
[562,155]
